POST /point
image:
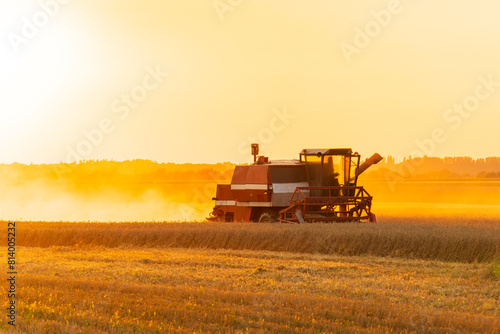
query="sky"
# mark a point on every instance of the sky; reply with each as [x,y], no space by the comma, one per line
[199,80]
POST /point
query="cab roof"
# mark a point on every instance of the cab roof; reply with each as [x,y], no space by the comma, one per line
[326,151]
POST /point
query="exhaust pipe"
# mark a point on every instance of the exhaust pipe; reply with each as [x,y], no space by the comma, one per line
[373,160]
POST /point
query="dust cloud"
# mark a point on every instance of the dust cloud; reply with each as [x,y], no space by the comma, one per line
[108,191]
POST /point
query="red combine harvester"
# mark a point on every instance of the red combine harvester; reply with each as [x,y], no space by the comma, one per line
[320,186]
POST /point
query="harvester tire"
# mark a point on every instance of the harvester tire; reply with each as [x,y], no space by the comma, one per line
[268,216]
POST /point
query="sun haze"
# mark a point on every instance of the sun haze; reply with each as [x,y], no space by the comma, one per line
[198,81]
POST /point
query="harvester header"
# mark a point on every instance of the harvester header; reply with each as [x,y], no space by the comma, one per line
[320,186]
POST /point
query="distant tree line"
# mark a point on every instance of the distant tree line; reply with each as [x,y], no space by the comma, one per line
[437,168]
[147,171]
[109,171]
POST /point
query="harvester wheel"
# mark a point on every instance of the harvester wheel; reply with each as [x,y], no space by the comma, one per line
[268,216]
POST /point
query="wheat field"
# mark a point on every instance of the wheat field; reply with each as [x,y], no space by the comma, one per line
[408,238]
[412,277]
[83,289]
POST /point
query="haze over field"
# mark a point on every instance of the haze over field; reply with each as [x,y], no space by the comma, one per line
[143,190]
[197,81]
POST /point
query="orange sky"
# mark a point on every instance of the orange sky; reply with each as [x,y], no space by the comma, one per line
[198,80]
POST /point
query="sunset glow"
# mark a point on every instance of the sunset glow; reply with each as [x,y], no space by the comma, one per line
[250,166]
[383,76]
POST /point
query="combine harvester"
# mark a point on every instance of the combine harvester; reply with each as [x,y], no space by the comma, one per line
[320,186]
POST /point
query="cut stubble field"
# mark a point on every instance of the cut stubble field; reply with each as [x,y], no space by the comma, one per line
[418,276]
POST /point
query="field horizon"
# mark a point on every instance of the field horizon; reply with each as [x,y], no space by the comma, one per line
[141,247]
[143,190]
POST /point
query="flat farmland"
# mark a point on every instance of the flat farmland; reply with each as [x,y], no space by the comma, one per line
[416,276]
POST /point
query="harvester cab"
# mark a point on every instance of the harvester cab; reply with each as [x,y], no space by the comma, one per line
[332,167]
[320,186]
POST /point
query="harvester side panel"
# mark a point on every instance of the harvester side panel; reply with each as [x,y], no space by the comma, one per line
[224,193]
[285,179]
[251,183]
[242,214]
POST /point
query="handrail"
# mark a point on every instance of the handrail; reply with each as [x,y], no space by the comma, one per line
[349,199]
[340,203]
[361,190]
